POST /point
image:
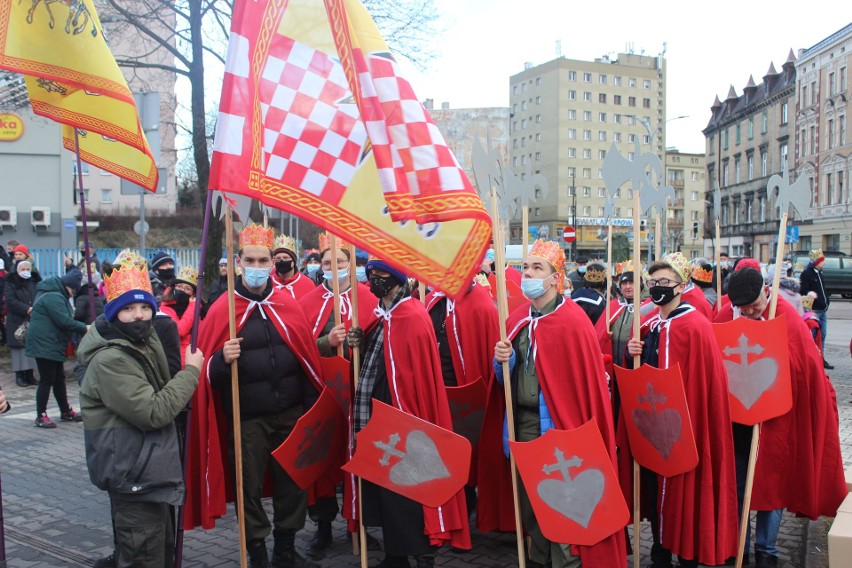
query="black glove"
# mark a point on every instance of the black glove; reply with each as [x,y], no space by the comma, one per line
[355,337]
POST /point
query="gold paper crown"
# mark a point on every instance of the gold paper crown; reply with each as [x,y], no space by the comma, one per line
[679,263]
[594,275]
[285,242]
[482,280]
[815,254]
[549,251]
[701,275]
[130,272]
[255,235]
[807,302]
[325,242]
[188,274]
[628,267]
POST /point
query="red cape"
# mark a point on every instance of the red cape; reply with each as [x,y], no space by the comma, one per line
[318,306]
[298,286]
[414,376]
[207,486]
[575,391]
[699,508]
[799,464]
[696,298]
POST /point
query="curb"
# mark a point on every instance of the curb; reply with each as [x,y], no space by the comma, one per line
[814,550]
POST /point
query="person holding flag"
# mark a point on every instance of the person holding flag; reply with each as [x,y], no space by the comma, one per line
[693,514]
[559,382]
[285,274]
[799,465]
[279,376]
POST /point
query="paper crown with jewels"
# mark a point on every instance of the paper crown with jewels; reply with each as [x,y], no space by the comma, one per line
[284,242]
[679,263]
[254,235]
[130,272]
[188,275]
[816,255]
[549,251]
[594,274]
[627,266]
[699,274]
[807,302]
[325,242]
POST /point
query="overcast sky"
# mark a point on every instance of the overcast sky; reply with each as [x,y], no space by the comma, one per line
[710,45]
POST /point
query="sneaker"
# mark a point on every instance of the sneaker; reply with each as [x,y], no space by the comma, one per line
[44,422]
[71,416]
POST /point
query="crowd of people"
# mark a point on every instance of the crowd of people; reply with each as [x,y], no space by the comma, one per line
[130,327]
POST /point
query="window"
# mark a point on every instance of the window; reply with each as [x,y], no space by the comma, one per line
[783,153]
[617,80]
[646,103]
[748,204]
[631,101]
[105,173]
[694,176]
[631,82]
[763,164]
[523,142]
[618,211]
[106,196]
[587,116]
[538,156]
[737,135]
[572,95]
[646,84]
[631,138]
[538,100]
[750,168]
[617,136]
[843,79]
[538,136]
[602,135]
[602,79]
[587,96]
[572,114]
[812,140]
[725,175]
[616,99]
[587,173]
[572,134]
[784,113]
[572,152]
[515,126]
[631,156]
[750,127]
[587,77]
[538,211]
[600,211]
[587,153]
[646,139]
[85,195]
[813,92]
[571,172]
[694,215]
[602,98]
[764,120]
[737,170]
[587,135]
[601,192]
[515,162]
[572,75]
[523,124]
[725,139]
[830,134]
[600,173]
[761,208]
[523,105]
[514,89]
[736,213]
[538,119]
[631,120]
[842,130]
[601,117]
[601,154]
[587,211]
[85,168]
[587,191]
[537,81]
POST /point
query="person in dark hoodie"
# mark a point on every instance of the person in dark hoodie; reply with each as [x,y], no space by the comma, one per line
[162,274]
[19,294]
[52,325]
[130,401]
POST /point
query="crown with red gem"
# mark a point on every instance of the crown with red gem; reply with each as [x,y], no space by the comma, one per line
[187,274]
[699,274]
[130,272]
[549,251]
[594,275]
[284,242]
[325,242]
[679,263]
[255,235]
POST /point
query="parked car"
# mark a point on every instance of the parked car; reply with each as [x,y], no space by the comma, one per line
[836,274]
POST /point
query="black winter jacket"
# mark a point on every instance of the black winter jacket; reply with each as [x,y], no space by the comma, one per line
[812,281]
[18,295]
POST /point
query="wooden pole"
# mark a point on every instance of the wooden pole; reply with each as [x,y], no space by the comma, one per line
[421,287]
[608,273]
[335,288]
[525,230]
[755,432]
[637,362]
[503,315]
[658,235]
[718,248]
[235,390]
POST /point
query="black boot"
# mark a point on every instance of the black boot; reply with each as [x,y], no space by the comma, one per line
[20,379]
[826,365]
[391,561]
[29,375]
[321,539]
[258,557]
[425,561]
[660,557]
[765,560]
[108,562]
[284,553]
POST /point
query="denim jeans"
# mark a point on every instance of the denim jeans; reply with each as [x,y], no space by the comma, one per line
[822,316]
[765,531]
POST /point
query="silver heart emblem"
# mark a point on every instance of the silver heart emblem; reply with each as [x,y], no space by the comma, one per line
[420,462]
[575,498]
[748,381]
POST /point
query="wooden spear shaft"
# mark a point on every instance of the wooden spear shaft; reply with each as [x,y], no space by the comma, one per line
[335,288]
[718,248]
[525,228]
[658,237]
[608,274]
[235,390]
[637,362]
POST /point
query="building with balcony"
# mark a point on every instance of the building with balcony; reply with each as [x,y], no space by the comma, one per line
[684,225]
[565,115]
[748,139]
[823,152]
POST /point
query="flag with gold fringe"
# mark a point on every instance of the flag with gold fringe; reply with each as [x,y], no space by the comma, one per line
[315,119]
[72,78]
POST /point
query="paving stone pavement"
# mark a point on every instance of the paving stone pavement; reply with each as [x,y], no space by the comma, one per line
[55,518]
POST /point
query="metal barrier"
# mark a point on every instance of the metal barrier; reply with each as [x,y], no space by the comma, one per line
[51,261]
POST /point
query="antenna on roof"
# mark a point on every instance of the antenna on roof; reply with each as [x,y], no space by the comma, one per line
[558,48]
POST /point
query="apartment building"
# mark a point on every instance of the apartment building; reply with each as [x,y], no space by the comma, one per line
[684,224]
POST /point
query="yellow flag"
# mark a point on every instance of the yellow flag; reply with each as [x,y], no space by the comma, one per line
[72,78]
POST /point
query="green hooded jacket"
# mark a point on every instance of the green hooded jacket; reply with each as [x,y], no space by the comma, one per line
[51,322]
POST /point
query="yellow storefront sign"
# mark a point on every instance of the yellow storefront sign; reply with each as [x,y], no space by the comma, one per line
[11,127]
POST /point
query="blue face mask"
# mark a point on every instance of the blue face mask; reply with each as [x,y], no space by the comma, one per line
[581,269]
[313,269]
[361,273]
[341,275]
[533,288]
[255,277]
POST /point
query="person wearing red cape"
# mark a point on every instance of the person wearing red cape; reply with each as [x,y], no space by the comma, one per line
[279,380]
[558,381]
[285,271]
[318,306]
[401,367]
[799,463]
[466,328]
[694,514]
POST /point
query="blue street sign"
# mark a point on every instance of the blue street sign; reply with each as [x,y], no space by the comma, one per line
[792,234]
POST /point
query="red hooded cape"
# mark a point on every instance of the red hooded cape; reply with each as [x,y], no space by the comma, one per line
[799,463]
[573,381]
[318,306]
[414,376]
[696,298]
[298,286]
[698,517]
[207,486]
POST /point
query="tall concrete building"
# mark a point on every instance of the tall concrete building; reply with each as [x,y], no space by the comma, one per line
[748,140]
[565,114]
[684,226]
[823,152]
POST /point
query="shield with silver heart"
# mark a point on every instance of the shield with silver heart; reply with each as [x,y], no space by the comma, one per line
[758,364]
[410,456]
[571,484]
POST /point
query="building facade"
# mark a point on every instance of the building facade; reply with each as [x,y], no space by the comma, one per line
[823,152]
[565,115]
[749,139]
[684,225]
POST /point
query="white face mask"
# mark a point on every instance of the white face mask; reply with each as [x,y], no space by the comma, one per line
[25,274]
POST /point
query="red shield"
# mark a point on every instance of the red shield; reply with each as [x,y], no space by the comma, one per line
[335,374]
[658,425]
[467,407]
[316,443]
[410,456]
[572,486]
[758,365]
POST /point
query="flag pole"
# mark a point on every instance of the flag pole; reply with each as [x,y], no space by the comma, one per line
[2,529]
[658,237]
[755,432]
[525,229]
[335,287]
[608,273]
[235,390]
[503,315]
[361,546]
[637,362]
[85,226]
[718,248]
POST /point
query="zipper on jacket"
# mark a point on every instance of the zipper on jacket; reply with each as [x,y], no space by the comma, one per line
[145,465]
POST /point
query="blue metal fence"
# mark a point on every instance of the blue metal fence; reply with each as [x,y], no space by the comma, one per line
[51,261]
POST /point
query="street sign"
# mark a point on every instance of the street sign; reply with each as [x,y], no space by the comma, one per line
[141,228]
[792,234]
[569,234]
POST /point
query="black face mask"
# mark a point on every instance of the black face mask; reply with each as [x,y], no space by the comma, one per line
[166,274]
[283,266]
[381,286]
[136,331]
[662,295]
[181,297]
